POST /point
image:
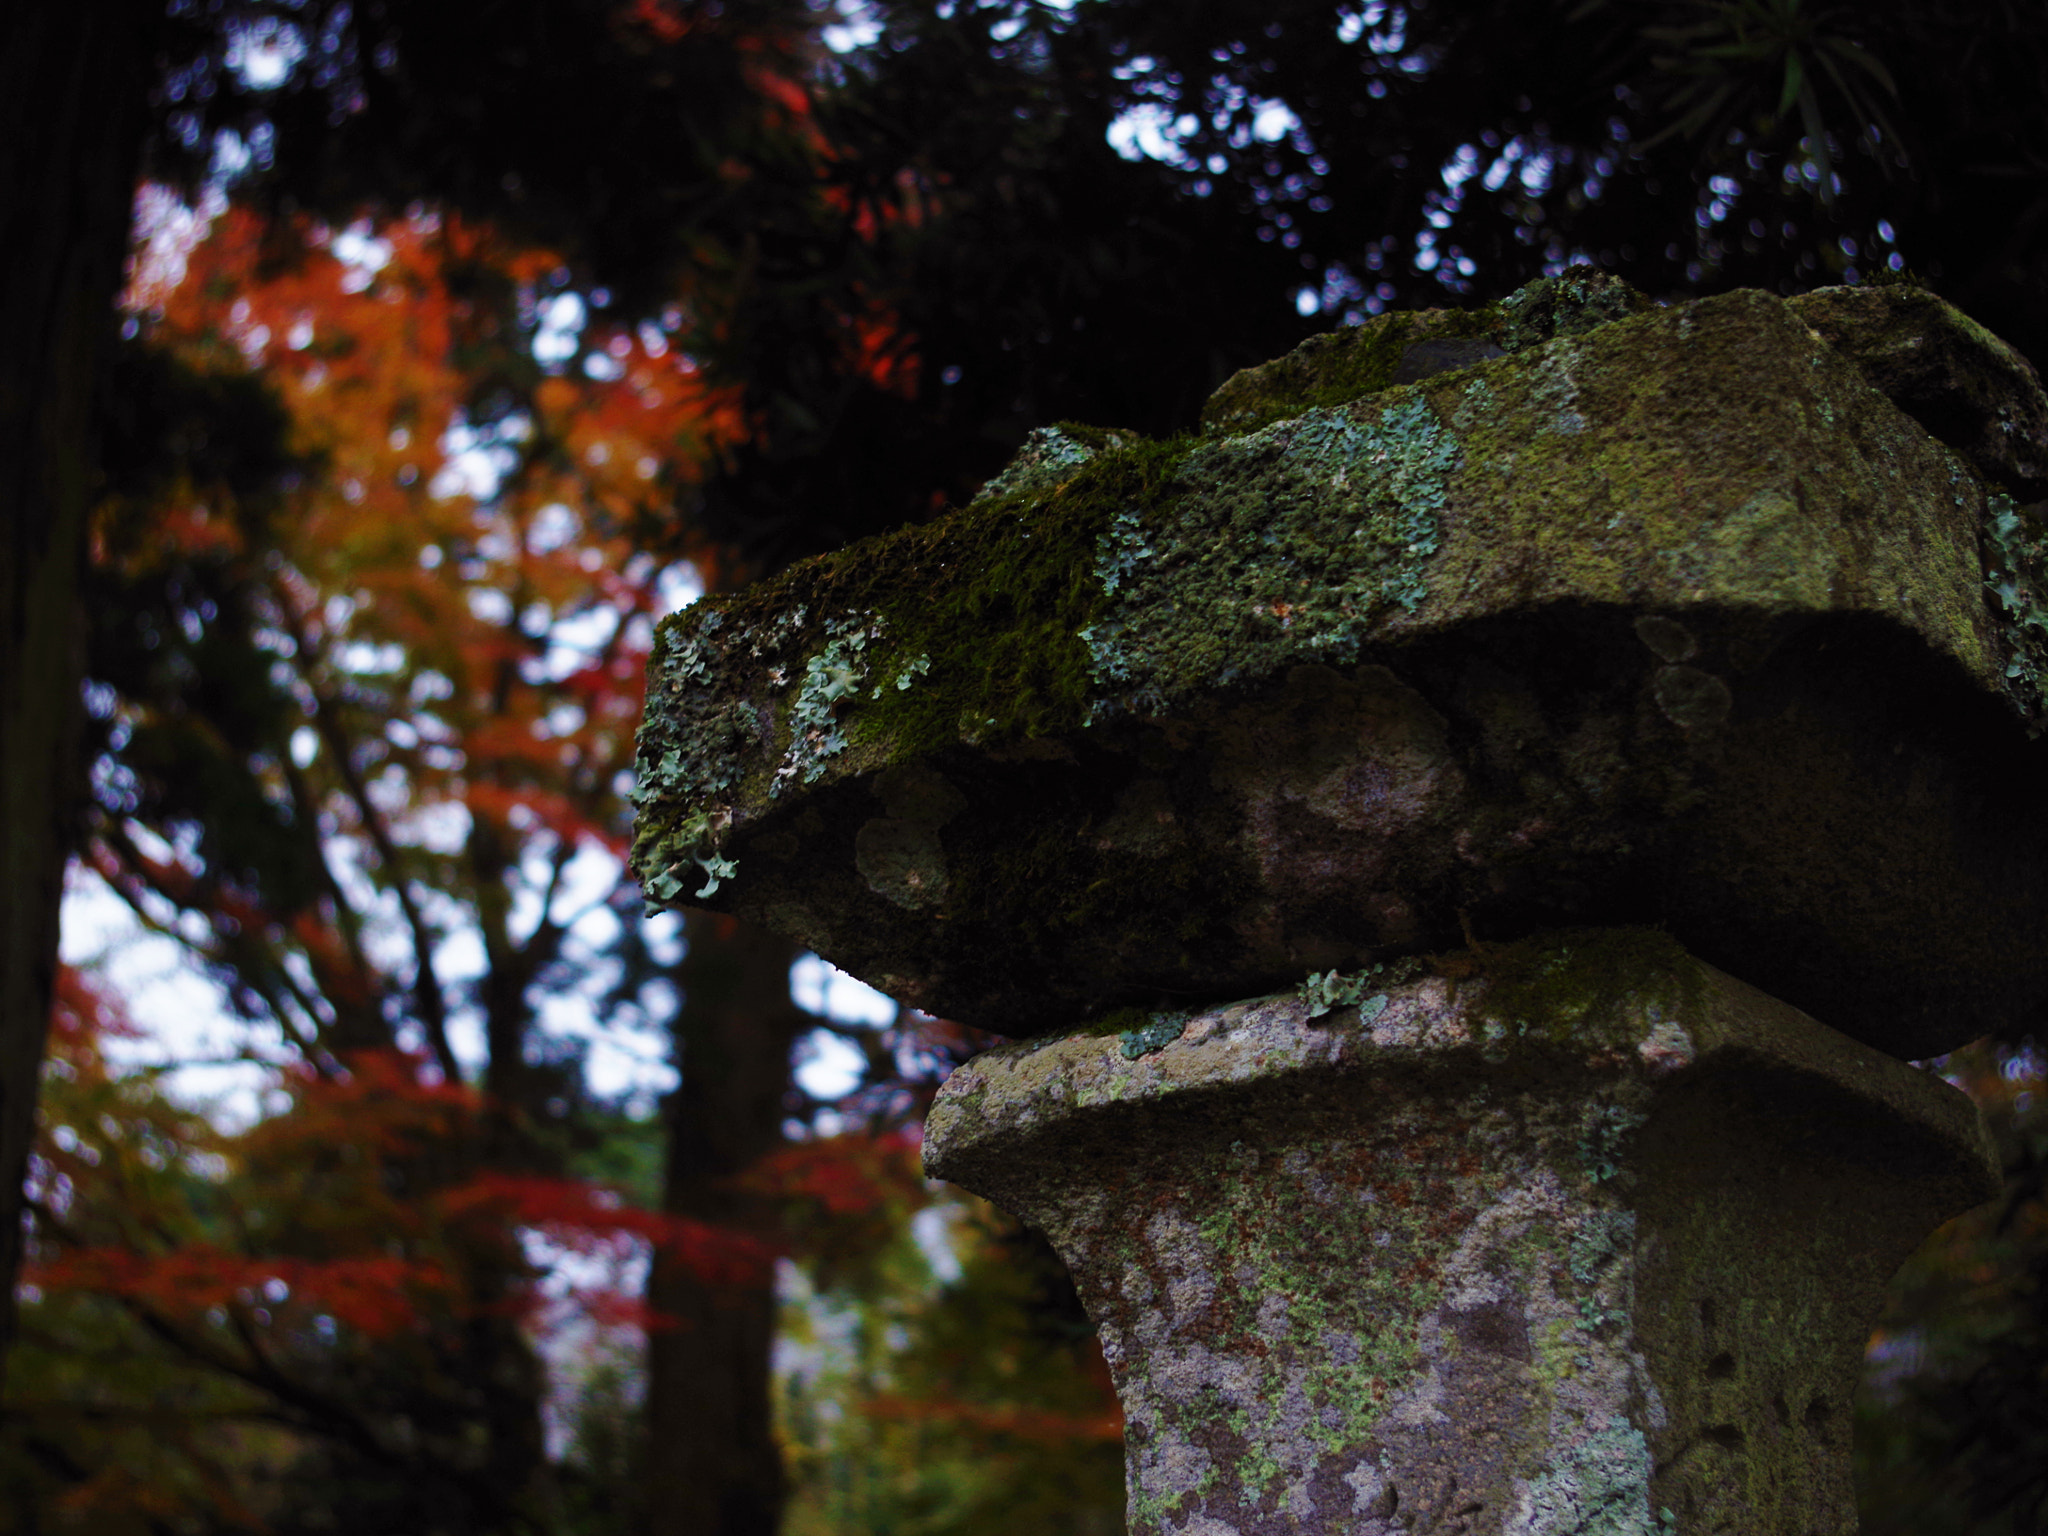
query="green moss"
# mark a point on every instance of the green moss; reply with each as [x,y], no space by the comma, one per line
[1000,625]
[1560,1352]
[698,762]
[1600,1145]
[964,628]
[1100,573]
[1147,1509]
[1344,366]
[1601,1241]
[1280,546]
[1904,277]
[1391,1263]
[2016,575]
[1324,371]
[1257,1469]
[1583,986]
[1114,577]
[1576,300]
[1049,457]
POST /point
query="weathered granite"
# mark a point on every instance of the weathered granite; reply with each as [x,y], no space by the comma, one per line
[1580,1236]
[1661,615]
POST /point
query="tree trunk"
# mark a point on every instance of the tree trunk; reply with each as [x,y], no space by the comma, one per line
[713,1467]
[73,98]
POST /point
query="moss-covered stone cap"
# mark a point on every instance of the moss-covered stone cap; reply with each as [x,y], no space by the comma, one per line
[1548,636]
[1967,387]
[1626,1011]
[1408,347]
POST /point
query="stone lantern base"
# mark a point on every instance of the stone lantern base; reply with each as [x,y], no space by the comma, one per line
[1580,1236]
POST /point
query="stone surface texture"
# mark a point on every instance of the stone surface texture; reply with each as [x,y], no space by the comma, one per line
[1572,610]
[1578,1236]
[1935,363]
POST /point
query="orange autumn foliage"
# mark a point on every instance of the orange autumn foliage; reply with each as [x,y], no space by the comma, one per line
[452,584]
[448,596]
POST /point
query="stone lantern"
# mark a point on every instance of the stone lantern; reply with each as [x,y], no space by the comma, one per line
[1465,844]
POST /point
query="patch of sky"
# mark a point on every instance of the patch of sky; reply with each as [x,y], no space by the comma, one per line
[573,643]
[1723,191]
[1341,294]
[1461,167]
[475,459]
[830,1066]
[361,254]
[226,1065]
[553,526]
[1526,163]
[263,51]
[561,319]
[932,1230]
[678,586]
[222,1063]
[1273,121]
[1151,130]
[610,363]
[827,1066]
[362,658]
[1384,31]
[826,1343]
[1155,126]
[817,986]
[624,1050]
[1564,258]
[1803,165]
[1353,25]
[1438,208]
[489,605]
[234,156]
[858,26]
[250,338]
[165,229]
[579,1350]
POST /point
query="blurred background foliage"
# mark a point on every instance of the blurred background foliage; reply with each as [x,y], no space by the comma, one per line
[460,341]
[1953,1419]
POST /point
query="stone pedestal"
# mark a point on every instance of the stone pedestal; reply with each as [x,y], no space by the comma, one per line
[1535,621]
[1586,1239]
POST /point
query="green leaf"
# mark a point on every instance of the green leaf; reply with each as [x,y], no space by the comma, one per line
[1857,54]
[1795,81]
